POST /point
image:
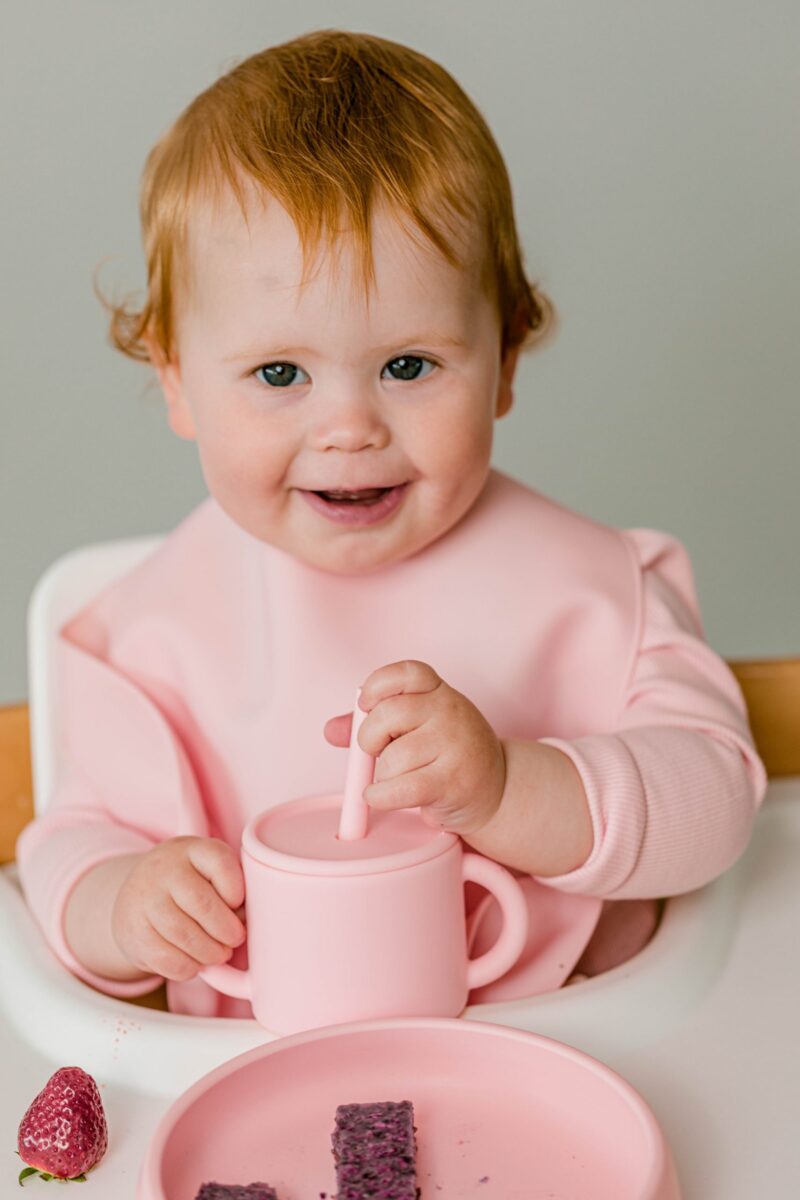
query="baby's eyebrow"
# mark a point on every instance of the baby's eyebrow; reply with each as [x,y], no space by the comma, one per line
[275,352]
[427,339]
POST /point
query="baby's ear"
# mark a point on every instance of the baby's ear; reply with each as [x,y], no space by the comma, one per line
[505,387]
[179,414]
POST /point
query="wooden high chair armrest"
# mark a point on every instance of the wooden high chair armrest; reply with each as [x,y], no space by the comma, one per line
[771,688]
[16,782]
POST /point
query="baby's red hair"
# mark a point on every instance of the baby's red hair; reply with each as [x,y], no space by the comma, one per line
[330,124]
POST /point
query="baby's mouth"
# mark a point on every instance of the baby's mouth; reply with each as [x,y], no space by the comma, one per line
[365,496]
[359,506]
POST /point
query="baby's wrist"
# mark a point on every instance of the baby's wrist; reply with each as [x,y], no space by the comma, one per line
[542,823]
[89,925]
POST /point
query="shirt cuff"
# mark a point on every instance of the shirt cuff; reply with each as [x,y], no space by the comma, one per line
[606,767]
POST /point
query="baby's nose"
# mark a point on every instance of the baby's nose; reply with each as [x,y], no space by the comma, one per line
[349,420]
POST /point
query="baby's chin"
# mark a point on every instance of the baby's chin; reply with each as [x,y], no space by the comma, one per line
[358,560]
[366,552]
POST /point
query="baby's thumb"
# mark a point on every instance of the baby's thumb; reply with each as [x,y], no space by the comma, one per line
[337,730]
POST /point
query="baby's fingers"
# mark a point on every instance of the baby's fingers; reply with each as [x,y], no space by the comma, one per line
[154,953]
[200,900]
[217,863]
[337,730]
[414,789]
[185,935]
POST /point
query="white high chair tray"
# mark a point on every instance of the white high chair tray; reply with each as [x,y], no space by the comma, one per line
[702,1023]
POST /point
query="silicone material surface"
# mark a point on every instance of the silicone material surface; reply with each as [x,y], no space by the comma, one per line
[499,1114]
[333,936]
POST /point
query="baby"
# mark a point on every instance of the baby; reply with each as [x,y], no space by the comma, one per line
[336,304]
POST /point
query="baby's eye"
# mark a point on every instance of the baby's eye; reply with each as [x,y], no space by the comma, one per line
[280,374]
[409,366]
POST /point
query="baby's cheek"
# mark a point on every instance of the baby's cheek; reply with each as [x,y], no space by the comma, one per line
[459,466]
[242,458]
[235,480]
[467,437]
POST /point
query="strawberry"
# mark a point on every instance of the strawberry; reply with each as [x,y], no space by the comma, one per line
[64,1133]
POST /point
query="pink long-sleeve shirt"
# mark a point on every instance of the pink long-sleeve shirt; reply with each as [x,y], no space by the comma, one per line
[195,689]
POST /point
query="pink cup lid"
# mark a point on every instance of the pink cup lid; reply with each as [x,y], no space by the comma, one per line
[301,837]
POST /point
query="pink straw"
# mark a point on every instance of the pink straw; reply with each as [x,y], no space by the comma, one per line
[360,769]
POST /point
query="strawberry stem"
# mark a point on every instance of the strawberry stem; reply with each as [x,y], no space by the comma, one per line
[47,1176]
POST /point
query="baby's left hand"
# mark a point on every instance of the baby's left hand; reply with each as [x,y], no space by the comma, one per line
[434,749]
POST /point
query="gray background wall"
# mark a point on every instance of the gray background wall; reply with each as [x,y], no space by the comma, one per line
[654,152]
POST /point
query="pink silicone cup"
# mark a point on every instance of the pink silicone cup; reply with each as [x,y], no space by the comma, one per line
[499,1113]
[354,921]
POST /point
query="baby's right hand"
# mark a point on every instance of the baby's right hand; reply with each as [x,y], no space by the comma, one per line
[175,912]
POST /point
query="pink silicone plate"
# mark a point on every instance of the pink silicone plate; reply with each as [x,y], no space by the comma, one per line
[500,1115]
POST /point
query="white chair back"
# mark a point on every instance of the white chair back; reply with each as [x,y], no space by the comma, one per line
[62,591]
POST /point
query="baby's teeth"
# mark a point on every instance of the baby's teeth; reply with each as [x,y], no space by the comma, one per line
[366,493]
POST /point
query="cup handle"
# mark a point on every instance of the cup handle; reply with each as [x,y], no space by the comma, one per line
[514,909]
[231,981]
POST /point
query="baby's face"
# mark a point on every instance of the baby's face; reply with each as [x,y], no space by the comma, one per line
[293,395]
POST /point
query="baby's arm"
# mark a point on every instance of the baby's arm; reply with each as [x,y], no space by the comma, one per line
[674,789]
[661,803]
[168,912]
[542,824]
